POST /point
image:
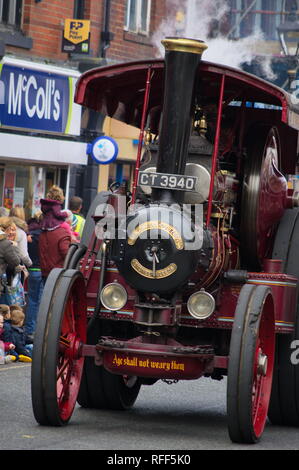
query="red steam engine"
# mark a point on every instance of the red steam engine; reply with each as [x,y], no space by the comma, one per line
[194,272]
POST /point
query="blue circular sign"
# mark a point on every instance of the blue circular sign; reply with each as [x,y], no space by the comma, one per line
[103,150]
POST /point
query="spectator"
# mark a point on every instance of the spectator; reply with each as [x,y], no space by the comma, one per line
[35,282]
[5,312]
[75,205]
[23,350]
[14,289]
[54,240]
[9,260]
[8,346]
[9,254]
[12,231]
[75,237]
[51,208]
[18,216]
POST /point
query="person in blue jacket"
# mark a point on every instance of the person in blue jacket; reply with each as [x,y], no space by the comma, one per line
[23,345]
[35,281]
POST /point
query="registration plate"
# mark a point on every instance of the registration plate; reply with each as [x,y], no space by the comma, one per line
[167,181]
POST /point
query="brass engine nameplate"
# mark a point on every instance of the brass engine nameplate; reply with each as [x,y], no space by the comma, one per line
[148,273]
[157,225]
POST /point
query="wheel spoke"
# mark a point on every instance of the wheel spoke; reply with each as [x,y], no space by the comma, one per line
[257,396]
[62,369]
[63,394]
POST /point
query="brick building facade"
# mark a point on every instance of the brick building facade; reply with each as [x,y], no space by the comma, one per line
[39,29]
[32,31]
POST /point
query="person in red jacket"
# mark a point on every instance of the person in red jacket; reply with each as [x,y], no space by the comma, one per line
[54,240]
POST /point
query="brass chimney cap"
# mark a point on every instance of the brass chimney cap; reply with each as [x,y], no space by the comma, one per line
[193,46]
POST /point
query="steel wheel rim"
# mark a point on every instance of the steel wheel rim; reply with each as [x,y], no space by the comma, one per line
[69,358]
[268,150]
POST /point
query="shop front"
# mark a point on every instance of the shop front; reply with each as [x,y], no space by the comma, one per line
[122,170]
[39,132]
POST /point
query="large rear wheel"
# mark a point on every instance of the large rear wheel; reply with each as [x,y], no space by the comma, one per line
[99,388]
[91,393]
[262,179]
[251,362]
[284,404]
[121,390]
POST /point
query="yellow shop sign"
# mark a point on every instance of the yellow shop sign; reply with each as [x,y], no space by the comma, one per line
[76,36]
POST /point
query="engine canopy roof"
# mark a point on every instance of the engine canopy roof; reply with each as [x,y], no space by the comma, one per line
[117,91]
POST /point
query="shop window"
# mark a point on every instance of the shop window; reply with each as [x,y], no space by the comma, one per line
[11,12]
[138,16]
[50,179]
[24,186]
[16,187]
[62,179]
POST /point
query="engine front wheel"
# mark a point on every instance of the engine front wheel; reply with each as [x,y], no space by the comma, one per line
[60,359]
[251,362]
[37,371]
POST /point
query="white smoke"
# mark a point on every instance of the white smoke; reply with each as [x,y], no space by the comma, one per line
[196,25]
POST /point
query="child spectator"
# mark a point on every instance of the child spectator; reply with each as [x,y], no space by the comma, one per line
[18,335]
[75,205]
[5,312]
[35,282]
[68,225]
[8,346]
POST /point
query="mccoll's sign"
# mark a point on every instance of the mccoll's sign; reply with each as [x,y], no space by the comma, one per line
[37,100]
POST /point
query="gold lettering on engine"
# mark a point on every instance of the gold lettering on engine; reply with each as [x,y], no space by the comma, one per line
[156,225]
[160,273]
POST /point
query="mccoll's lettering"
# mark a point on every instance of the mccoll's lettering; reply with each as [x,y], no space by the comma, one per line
[35,99]
[45,102]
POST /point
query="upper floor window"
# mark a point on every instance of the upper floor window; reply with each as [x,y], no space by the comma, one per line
[11,12]
[291,8]
[138,16]
[247,16]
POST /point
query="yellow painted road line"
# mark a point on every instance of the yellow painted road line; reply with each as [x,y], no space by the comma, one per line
[14,367]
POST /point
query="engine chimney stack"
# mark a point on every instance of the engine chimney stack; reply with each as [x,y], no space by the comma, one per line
[182,57]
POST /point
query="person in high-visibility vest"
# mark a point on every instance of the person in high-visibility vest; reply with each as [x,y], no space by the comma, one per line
[75,205]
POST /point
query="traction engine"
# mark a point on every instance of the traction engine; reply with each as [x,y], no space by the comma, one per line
[193,272]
